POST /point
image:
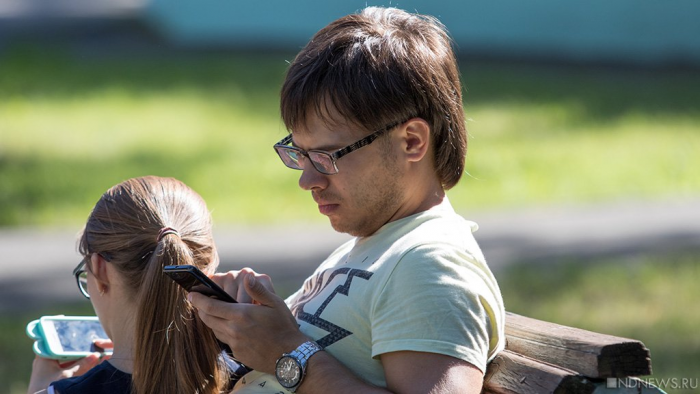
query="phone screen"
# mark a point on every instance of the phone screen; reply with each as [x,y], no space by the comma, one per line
[77,335]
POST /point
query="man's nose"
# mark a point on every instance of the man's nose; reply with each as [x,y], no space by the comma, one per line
[312,179]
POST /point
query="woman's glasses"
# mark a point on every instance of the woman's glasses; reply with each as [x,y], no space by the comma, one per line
[80,273]
[81,277]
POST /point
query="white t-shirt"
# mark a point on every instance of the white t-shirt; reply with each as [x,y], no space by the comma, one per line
[418,284]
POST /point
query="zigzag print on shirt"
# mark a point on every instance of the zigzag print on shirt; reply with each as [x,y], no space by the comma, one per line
[335,333]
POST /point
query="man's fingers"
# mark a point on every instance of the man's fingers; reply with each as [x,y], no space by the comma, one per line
[211,306]
[232,283]
[261,294]
[265,281]
[219,316]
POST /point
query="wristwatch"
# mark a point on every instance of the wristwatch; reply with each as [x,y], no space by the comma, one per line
[291,367]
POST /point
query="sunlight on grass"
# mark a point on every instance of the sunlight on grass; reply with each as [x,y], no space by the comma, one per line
[71,128]
[118,123]
[530,158]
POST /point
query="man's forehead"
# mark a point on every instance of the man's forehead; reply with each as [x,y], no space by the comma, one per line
[325,122]
[315,134]
[324,134]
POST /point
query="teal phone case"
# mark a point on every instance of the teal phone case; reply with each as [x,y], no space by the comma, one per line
[40,347]
[34,332]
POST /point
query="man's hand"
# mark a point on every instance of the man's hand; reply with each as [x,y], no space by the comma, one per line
[258,332]
[233,283]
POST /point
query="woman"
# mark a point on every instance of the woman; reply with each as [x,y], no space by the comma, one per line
[160,345]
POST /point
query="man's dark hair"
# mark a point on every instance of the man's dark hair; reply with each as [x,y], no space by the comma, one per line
[379,67]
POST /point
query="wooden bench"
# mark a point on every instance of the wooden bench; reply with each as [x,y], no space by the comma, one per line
[542,357]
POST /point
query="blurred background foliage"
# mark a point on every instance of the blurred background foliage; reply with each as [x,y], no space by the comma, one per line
[76,122]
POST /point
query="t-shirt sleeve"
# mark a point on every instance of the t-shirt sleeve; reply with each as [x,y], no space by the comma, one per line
[438,299]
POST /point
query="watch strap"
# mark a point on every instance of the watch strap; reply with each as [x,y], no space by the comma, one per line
[302,354]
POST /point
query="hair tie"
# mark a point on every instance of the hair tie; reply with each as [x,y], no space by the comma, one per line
[165,231]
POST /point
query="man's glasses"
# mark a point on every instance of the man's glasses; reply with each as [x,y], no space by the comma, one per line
[324,162]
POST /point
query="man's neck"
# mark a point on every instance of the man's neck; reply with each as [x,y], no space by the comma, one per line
[415,206]
[420,198]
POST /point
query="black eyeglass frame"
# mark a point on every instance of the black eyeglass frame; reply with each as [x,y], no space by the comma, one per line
[78,271]
[283,145]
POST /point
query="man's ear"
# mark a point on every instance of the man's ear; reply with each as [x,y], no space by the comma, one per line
[416,139]
[99,270]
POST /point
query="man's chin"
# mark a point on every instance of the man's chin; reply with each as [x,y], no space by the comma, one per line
[337,226]
[342,226]
[355,231]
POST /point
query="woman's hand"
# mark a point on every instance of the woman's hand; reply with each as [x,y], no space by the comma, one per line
[45,370]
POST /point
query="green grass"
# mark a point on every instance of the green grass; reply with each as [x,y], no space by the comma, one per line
[72,125]
[652,299]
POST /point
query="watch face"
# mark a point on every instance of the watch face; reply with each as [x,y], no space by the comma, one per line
[288,371]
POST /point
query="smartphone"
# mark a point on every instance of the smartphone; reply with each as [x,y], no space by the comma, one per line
[192,279]
[66,337]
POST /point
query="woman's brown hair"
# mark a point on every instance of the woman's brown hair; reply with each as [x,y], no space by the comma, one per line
[174,352]
[379,67]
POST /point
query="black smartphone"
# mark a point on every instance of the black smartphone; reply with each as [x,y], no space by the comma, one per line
[192,279]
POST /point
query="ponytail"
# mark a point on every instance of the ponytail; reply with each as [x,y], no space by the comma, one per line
[173,348]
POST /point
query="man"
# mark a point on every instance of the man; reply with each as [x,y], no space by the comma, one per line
[374,106]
